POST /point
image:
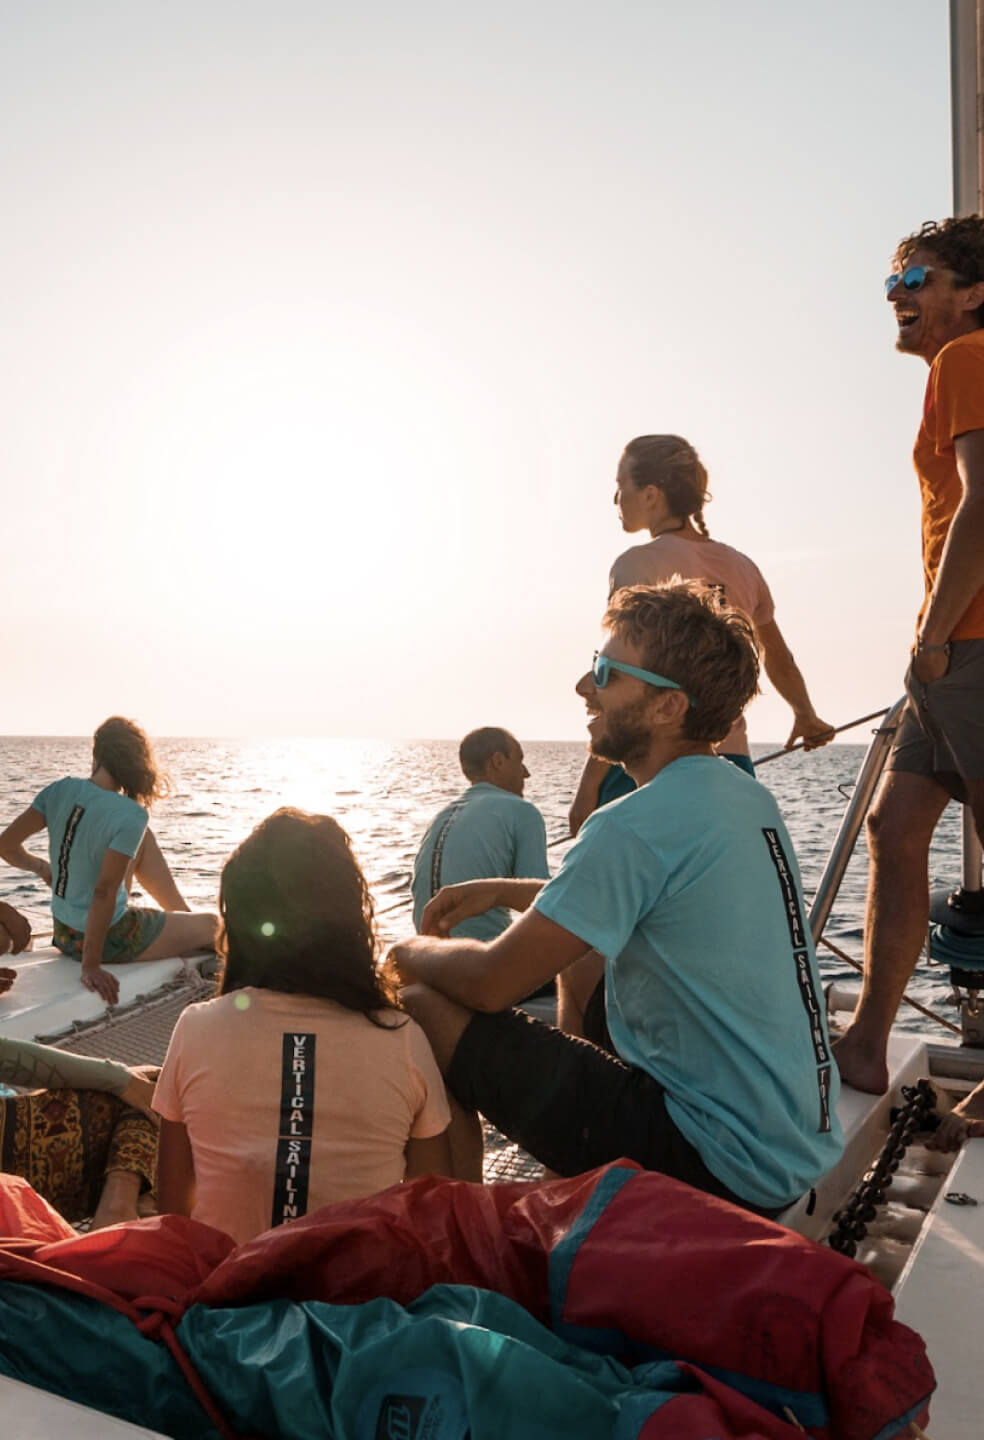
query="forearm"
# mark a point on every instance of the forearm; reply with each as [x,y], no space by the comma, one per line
[960,574]
[22,859]
[517,894]
[457,968]
[585,800]
[41,1067]
[97,925]
[787,679]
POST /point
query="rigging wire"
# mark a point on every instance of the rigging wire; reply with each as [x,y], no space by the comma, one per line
[800,744]
[923,1009]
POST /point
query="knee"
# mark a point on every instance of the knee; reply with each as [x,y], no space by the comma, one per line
[893,833]
[420,1001]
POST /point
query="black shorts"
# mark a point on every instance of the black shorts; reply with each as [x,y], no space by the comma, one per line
[571,1104]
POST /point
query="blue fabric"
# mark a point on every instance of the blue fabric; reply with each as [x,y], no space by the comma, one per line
[744,762]
[564,1253]
[85,1351]
[457,1361]
[84,821]
[690,889]
[615,783]
[492,832]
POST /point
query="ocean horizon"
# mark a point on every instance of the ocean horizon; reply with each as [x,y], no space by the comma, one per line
[385,792]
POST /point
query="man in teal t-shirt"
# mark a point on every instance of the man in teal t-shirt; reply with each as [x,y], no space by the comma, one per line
[489,830]
[714,1066]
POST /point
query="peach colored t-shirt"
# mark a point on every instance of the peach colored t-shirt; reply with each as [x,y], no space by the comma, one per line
[292,1103]
[953,406]
[739,577]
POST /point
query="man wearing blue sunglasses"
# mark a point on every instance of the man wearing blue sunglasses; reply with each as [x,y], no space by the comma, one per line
[705,1052]
[936,290]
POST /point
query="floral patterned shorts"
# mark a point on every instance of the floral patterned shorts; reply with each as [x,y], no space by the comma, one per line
[125,941]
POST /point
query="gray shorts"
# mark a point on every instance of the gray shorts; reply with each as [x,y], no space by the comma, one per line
[942,730]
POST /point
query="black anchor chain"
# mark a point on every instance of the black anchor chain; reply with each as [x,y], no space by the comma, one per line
[851,1223]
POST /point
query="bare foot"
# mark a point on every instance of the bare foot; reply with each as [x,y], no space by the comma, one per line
[118,1201]
[861,1066]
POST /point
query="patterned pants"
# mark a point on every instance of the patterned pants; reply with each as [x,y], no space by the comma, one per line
[62,1142]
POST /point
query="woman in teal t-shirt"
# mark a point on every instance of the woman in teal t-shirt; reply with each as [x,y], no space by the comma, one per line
[98,842]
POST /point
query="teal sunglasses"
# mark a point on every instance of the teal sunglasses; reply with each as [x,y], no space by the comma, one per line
[912,279]
[602,666]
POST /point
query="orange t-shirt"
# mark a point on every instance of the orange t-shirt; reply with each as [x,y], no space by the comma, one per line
[954,405]
[292,1103]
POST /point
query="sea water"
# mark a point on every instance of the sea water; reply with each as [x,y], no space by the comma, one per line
[385,792]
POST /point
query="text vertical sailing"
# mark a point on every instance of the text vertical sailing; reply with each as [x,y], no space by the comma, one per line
[65,850]
[293,1170]
[798,935]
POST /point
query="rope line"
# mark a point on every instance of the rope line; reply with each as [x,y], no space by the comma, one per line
[908,1000]
[837,730]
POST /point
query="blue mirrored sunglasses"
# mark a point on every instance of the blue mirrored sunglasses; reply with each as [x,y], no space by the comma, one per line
[912,279]
[602,666]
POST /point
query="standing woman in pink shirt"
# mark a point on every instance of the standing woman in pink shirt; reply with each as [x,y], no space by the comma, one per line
[661,486]
[302,1083]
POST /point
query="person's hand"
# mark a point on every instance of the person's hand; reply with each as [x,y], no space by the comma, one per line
[813,732]
[454,903]
[964,1122]
[15,930]
[930,665]
[140,1089]
[7,978]
[95,978]
[953,1130]
[44,873]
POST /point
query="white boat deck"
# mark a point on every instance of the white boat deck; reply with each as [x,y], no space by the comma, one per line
[865,1122]
[941,1293]
[30,1414]
[48,996]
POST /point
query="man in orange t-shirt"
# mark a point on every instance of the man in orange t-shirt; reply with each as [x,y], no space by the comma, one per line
[937,293]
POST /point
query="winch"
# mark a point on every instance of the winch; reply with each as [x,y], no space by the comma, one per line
[956,937]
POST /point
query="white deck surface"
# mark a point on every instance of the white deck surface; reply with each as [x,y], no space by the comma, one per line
[29,1414]
[941,1295]
[48,995]
[865,1122]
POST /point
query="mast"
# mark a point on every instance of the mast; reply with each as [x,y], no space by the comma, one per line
[967,105]
[967,129]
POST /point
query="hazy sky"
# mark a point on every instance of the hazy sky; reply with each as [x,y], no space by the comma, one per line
[325,325]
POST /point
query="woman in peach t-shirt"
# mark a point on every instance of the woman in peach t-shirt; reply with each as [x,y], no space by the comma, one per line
[302,1083]
[661,486]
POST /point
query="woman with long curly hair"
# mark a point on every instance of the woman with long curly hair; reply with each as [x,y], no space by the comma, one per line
[303,1082]
[98,843]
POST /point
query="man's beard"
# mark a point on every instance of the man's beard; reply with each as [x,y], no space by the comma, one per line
[627,736]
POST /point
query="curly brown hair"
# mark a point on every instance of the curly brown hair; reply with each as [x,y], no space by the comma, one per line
[672,464]
[958,243]
[297,916]
[122,748]
[688,633]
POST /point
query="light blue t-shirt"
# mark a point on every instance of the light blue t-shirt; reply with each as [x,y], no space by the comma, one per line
[690,889]
[486,832]
[84,821]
